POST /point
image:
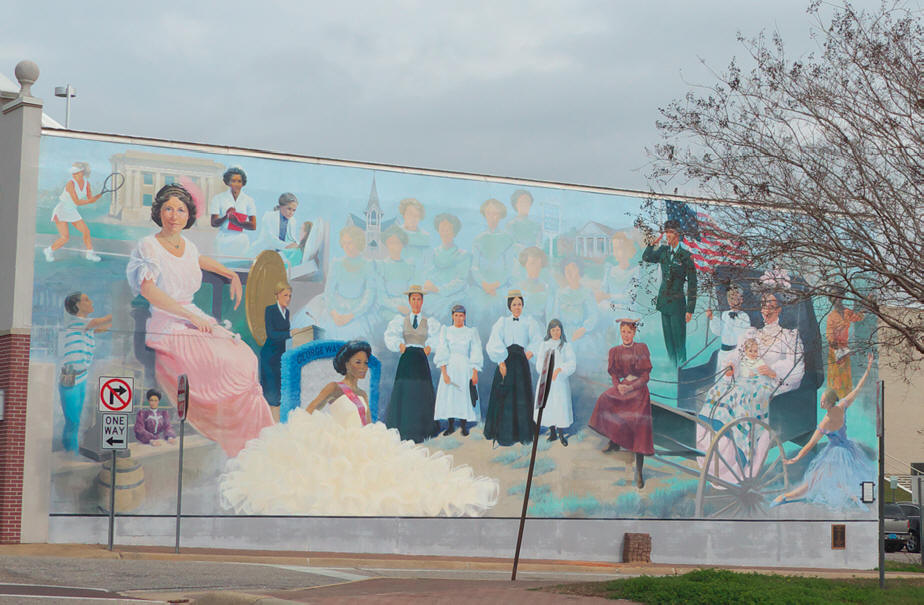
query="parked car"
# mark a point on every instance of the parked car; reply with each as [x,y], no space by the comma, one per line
[913,512]
[896,527]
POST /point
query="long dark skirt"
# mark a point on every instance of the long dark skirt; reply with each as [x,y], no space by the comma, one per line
[410,409]
[510,409]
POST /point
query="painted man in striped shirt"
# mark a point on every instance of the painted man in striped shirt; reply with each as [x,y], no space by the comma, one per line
[77,355]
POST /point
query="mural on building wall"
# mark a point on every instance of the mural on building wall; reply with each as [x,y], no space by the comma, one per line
[367,342]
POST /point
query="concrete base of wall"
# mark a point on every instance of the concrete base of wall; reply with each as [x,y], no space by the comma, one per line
[730,543]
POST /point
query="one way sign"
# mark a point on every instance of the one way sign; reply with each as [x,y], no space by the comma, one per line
[114,435]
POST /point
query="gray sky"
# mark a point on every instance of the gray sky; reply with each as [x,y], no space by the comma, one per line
[563,91]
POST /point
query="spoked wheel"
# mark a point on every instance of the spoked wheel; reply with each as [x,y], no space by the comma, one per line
[740,475]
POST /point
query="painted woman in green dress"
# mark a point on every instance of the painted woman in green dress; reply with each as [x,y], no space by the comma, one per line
[493,261]
[534,284]
[525,231]
[447,278]
[344,309]
[419,248]
[394,274]
[575,306]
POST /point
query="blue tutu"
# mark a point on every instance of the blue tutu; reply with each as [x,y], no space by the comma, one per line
[834,476]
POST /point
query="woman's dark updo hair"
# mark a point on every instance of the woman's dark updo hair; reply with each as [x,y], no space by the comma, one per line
[347,352]
[179,192]
[226,177]
[153,393]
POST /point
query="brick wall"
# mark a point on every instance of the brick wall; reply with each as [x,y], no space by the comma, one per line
[14,378]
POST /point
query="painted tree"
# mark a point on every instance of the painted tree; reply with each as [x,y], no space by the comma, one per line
[819,161]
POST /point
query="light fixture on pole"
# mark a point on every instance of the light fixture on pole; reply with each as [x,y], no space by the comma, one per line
[68,92]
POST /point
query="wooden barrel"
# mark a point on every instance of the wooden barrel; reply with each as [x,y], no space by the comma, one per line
[129,483]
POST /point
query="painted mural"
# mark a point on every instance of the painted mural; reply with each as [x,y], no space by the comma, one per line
[365,341]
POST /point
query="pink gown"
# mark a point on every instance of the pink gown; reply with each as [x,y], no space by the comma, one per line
[226,401]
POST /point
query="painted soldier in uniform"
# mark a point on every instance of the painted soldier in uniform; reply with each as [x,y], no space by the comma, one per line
[677,269]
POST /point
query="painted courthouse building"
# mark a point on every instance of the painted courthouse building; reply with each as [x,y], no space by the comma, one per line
[681,452]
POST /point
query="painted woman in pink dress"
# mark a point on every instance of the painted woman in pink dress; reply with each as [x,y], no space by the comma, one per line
[226,400]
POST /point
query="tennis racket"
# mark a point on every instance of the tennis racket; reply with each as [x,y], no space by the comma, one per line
[113,182]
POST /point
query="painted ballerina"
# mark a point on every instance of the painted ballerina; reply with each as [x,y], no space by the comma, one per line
[834,476]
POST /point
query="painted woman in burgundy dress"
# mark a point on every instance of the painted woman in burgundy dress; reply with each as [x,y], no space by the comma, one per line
[623,412]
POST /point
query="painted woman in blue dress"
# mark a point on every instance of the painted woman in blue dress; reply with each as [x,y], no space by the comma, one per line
[493,260]
[447,278]
[534,284]
[558,412]
[833,477]
[344,309]
[394,275]
[575,306]
[525,231]
[619,286]
[419,247]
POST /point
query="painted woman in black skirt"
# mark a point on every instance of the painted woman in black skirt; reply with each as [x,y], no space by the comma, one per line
[410,409]
[513,339]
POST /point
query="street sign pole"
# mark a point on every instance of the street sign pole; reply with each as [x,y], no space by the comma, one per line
[112,489]
[545,383]
[880,407]
[182,407]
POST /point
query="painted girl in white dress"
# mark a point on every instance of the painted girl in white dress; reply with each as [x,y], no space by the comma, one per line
[459,358]
[336,462]
[558,413]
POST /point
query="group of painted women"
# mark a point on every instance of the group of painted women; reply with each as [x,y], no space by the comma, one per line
[362,294]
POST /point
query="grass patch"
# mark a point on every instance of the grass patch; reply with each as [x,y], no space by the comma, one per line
[708,586]
[901,566]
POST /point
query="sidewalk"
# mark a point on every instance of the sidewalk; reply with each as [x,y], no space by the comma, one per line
[392,578]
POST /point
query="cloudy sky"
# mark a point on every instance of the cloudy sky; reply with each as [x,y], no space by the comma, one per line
[562,91]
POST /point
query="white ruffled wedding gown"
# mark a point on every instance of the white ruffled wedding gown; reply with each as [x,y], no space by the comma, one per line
[328,463]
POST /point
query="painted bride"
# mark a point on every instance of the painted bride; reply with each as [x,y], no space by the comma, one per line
[335,461]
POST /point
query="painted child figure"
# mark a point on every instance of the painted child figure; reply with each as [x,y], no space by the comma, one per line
[729,325]
[77,355]
[748,393]
[459,357]
[558,413]
[153,426]
[411,407]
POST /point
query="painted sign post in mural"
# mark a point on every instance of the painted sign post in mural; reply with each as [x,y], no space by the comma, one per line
[365,341]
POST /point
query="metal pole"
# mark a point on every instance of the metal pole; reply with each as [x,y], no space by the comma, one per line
[112,488]
[179,488]
[67,105]
[920,482]
[880,397]
[529,481]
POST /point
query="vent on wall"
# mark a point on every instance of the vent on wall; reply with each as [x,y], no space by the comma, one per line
[838,536]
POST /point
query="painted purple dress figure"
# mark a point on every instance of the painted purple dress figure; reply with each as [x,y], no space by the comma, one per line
[623,412]
[153,425]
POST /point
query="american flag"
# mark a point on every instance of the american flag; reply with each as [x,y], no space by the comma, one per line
[709,245]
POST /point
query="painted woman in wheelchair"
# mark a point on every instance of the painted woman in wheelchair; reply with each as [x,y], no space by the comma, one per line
[834,475]
[767,362]
[166,269]
[331,459]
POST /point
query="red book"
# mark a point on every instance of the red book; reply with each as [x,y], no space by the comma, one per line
[232,226]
